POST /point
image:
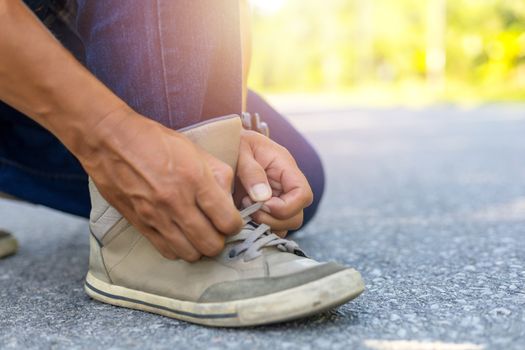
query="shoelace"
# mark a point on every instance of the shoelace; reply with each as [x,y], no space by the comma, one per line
[253,237]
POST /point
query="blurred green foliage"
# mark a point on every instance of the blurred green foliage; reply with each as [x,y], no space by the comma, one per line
[351,45]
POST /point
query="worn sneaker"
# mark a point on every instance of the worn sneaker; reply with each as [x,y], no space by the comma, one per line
[259,278]
[8,244]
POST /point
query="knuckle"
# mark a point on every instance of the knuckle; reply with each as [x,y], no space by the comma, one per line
[250,134]
[188,222]
[231,225]
[297,222]
[145,211]
[191,174]
[281,214]
[307,195]
[164,196]
[213,247]
[206,200]
[283,150]
[228,174]
[172,237]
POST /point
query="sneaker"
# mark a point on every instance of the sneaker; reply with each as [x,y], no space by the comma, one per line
[259,278]
[8,244]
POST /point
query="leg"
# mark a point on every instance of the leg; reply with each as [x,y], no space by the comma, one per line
[164,58]
[177,62]
[282,132]
[36,167]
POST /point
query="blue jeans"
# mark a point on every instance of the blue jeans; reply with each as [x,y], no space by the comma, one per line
[176,61]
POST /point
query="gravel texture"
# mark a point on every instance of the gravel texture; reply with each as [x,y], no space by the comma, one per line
[429,204]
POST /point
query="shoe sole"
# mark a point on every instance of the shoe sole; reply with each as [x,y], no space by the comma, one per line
[8,246]
[286,305]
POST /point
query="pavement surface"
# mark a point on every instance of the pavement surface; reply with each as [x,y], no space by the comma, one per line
[429,204]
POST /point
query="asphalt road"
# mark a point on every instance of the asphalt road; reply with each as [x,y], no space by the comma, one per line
[428,204]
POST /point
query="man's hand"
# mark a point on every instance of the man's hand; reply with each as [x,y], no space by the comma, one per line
[268,173]
[174,193]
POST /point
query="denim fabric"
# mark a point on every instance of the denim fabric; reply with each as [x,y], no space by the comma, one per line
[36,167]
[39,7]
[177,62]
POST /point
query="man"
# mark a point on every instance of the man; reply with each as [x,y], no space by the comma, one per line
[166,233]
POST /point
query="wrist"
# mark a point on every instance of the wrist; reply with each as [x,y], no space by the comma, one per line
[100,133]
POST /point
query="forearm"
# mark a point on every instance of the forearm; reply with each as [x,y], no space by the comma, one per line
[43,80]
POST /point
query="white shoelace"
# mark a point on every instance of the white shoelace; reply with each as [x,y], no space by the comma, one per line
[253,237]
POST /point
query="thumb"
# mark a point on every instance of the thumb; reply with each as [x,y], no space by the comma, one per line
[253,178]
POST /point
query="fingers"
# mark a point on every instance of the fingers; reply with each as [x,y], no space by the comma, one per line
[239,193]
[295,193]
[187,232]
[219,208]
[148,230]
[288,204]
[214,197]
[166,236]
[292,223]
[252,175]
[200,232]
[156,239]
[260,157]
[179,243]
[193,222]
[278,226]
[173,192]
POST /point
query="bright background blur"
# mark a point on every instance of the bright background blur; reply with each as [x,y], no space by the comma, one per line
[383,52]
